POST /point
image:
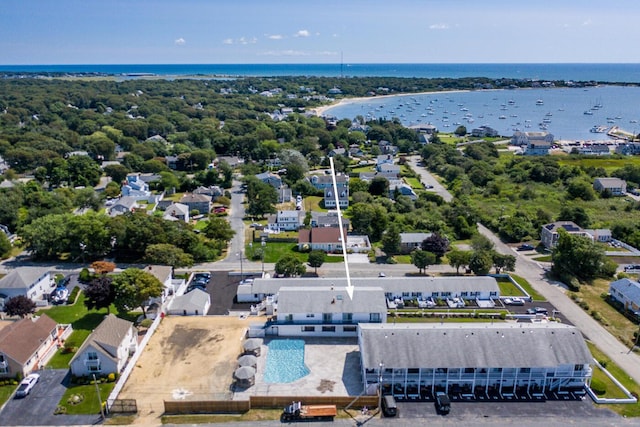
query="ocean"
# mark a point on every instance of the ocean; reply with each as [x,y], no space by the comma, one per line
[627,73]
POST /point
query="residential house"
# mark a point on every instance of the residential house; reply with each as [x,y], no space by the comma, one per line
[484,132]
[398,186]
[602,235]
[628,148]
[194,303]
[338,152]
[172,162]
[526,138]
[627,293]
[270,178]
[164,273]
[212,191]
[122,205]
[136,187]
[483,288]
[411,241]
[320,182]
[177,211]
[325,239]
[615,186]
[107,349]
[326,311]
[28,344]
[414,360]
[355,151]
[387,148]
[369,176]
[389,170]
[197,202]
[383,159]
[549,233]
[592,150]
[329,219]
[284,194]
[36,283]
[537,148]
[286,220]
[329,199]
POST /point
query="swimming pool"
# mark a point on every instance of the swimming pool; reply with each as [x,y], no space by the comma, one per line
[285,361]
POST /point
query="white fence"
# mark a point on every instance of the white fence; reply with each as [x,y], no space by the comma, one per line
[630,398]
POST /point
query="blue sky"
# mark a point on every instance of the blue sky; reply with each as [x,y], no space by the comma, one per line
[320,31]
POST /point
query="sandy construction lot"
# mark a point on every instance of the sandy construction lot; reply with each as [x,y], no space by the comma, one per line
[188,358]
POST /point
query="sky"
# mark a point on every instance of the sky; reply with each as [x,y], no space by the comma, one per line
[321,31]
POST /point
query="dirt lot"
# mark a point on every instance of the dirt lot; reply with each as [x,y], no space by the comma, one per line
[188,358]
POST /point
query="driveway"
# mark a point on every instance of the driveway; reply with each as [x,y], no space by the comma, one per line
[38,407]
[427,179]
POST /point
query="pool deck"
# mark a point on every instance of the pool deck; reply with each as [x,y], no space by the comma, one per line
[334,366]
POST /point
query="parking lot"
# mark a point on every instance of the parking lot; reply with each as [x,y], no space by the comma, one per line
[38,407]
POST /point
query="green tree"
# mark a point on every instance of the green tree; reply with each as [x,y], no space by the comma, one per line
[481,243]
[481,262]
[219,229]
[5,245]
[83,171]
[369,219]
[580,188]
[391,240]
[422,259]
[578,256]
[460,131]
[379,186]
[436,244]
[48,236]
[167,254]
[503,262]
[133,288]
[289,266]
[459,259]
[316,259]
[261,198]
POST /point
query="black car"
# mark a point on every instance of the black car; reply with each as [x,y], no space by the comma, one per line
[389,406]
[526,247]
[443,403]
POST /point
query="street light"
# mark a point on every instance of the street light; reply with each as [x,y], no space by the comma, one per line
[380,367]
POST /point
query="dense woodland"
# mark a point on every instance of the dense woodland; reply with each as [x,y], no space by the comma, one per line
[43,120]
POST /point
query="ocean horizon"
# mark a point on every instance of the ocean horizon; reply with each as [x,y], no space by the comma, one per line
[598,72]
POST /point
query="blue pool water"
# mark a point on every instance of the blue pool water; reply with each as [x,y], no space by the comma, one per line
[285,361]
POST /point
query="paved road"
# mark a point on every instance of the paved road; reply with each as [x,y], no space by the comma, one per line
[428,179]
[236,216]
[556,294]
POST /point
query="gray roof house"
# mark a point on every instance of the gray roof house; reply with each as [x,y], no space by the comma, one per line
[616,186]
[549,232]
[464,358]
[33,282]
[270,178]
[327,310]
[123,205]
[627,293]
[107,349]
[411,241]
[194,303]
[197,202]
[177,211]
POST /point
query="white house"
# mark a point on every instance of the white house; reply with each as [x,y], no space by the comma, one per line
[177,211]
[326,310]
[164,274]
[286,220]
[123,205]
[330,199]
[107,349]
[270,178]
[415,360]
[33,282]
[411,241]
[320,182]
[194,303]
[626,292]
[135,187]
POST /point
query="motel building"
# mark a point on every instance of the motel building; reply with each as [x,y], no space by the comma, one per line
[503,359]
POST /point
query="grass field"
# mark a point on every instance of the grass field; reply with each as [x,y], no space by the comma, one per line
[508,288]
[609,164]
[5,392]
[414,183]
[276,250]
[87,399]
[528,288]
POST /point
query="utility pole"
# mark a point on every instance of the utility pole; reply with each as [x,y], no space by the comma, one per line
[99,397]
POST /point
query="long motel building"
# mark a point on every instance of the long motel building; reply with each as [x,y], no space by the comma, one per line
[418,360]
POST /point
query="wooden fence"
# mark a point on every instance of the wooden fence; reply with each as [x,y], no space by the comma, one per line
[263,402]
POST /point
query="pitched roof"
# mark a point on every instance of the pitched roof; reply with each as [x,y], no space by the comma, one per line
[197,299]
[331,299]
[611,182]
[22,277]
[413,237]
[20,340]
[319,235]
[627,287]
[464,345]
[160,272]
[126,201]
[107,336]
[177,209]
[195,198]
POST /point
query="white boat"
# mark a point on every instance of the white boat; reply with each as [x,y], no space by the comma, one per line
[588,112]
[539,102]
[60,295]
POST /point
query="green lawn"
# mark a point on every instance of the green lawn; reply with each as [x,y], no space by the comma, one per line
[313,203]
[402,319]
[626,410]
[5,392]
[87,398]
[527,287]
[508,288]
[414,183]
[276,250]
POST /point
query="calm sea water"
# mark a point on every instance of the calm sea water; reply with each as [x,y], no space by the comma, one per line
[629,73]
[558,111]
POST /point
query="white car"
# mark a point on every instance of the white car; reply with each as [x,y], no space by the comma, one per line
[27,384]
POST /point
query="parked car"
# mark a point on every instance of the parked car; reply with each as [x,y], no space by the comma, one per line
[27,384]
[443,403]
[526,247]
[389,406]
[513,301]
[59,295]
[537,310]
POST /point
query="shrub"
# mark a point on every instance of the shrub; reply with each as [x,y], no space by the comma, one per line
[111,377]
[598,386]
[146,323]
[85,276]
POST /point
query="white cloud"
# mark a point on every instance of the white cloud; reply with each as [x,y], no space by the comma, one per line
[275,37]
[587,22]
[180,41]
[439,26]
[285,53]
[302,33]
[227,41]
[241,40]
